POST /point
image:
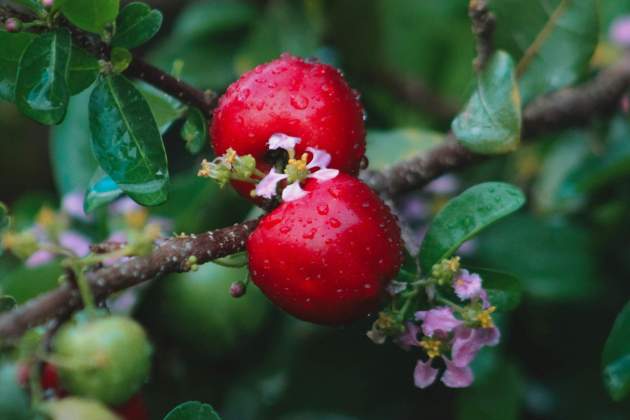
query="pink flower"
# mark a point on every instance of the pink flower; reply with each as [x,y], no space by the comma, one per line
[446,184]
[467,285]
[456,376]
[282,141]
[468,342]
[75,242]
[123,206]
[40,257]
[267,187]
[424,375]
[620,31]
[437,319]
[409,338]
[72,204]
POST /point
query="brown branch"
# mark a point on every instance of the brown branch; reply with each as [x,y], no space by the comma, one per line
[139,69]
[483,24]
[172,256]
[566,108]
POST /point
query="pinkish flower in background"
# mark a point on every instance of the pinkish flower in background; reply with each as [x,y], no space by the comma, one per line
[619,32]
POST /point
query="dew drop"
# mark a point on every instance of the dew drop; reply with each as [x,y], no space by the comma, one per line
[322,209]
[244,94]
[310,234]
[299,101]
[335,223]
[285,229]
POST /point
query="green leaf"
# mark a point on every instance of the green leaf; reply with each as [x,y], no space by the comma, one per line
[25,283]
[166,109]
[192,410]
[466,215]
[14,402]
[101,191]
[91,15]
[206,18]
[126,140]
[70,149]
[41,91]
[13,46]
[386,147]
[34,5]
[195,131]
[504,289]
[137,23]
[7,303]
[616,357]
[555,40]
[120,58]
[83,70]
[491,121]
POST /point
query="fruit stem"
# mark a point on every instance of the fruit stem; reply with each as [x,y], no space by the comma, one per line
[84,288]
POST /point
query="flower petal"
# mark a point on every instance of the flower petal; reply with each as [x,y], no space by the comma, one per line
[409,338]
[267,187]
[321,158]
[324,174]
[75,242]
[467,285]
[438,319]
[282,141]
[424,375]
[39,258]
[456,377]
[72,204]
[468,342]
[293,192]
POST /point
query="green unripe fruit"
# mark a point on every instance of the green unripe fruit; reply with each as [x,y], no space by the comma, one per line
[107,359]
[198,310]
[73,408]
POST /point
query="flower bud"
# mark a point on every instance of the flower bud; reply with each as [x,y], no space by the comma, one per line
[13,25]
[237,289]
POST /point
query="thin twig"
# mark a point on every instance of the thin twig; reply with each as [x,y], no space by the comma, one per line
[483,25]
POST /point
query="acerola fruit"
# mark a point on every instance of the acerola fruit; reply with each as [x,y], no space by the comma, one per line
[73,408]
[327,257]
[300,98]
[107,359]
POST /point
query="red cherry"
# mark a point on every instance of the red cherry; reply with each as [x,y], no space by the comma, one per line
[50,380]
[327,257]
[296,97]
[134,409]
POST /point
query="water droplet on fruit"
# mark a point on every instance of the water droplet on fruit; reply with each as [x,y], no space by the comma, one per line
[365,205]
[322,209]
[299,101]
[260,105]
[251,135]
[326,87]
[335,223]
[244,94]
[333,192]
[260,80]
[310,234]
[364,162]
[285,229]
[272,85]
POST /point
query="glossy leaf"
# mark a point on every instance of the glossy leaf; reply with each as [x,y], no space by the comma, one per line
[13,46]
[83,70]
[91,15]
[70,148]
[560,262]
[504,289]
[554,40]
[42,91]
[491,121]
[166,110]
[466,215]
[137,23]
[192,410]
[101,191]
[195,131]
[120,59]
[616,357]
[126,140]
[386,147]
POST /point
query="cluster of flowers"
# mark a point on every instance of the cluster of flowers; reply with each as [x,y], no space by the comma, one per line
[231,166]
[448,331]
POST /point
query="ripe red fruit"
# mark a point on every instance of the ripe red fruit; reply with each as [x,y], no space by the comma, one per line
[327,257]
[296,97]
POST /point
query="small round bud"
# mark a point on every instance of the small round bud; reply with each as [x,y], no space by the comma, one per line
[13,25]
[237,289]
[48,3]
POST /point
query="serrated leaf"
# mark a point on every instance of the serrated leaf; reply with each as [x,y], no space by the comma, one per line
[91,15]
[466,215]
[126,140]
[193,410]
[616,357]
[195,131]
[386,147]
[41,90]
[491,120]
[70,149]
[554,40]
[137,23]
[101,191]
[13,46]
[83,70]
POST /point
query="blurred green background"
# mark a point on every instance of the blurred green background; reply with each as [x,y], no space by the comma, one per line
[411,62]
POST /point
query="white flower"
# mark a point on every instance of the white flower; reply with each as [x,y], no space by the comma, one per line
[282,141]
[267,186]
